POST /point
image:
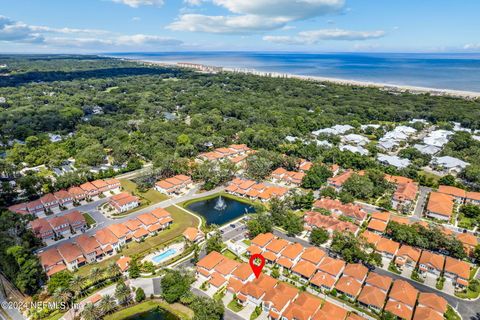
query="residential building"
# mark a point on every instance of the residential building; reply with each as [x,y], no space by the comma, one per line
[72,255]
[469,242]
[408,257]
[277,300]
[124,202]
[60,225]
[402,299]
[63,197]
[387,248]
[42,229]
[457,271]
[431,263]
[108,241]
[372,298]
[440,206]
[194,235]
[457,193]
[449,164]
[91,249]
[76,220]
[51,261]
[336,206]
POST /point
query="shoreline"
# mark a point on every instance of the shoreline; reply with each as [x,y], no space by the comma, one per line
[394,88]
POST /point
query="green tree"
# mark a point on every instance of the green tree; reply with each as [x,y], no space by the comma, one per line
[207,309]
[133,269]
[175,284]
[447,180]
[107,304]
[359,186]
[318,236]
[214,241]
[123,293]
[261,223]
[328,192]
[61,279]
[139,295]
[90,312]
[316,177]
[293,224]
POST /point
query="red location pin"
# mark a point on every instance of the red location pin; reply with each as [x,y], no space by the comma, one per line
[257,261]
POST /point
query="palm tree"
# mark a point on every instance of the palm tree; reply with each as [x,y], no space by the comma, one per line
[62,295]
[95,274]
[90,312]
[123,293]
[76,284]
[107,304]
[113,270]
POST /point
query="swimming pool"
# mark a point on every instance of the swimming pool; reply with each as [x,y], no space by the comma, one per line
[164,255]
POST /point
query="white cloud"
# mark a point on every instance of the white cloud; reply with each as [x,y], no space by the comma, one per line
[226,24]
[472,46]
[293,10]
[315,36]
[194,2]
[18,32]
[249,16]
[138,3]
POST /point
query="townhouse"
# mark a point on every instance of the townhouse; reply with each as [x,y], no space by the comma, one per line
[329,270]
[458,194]
[431,263]
[336,206]
[430,306]
[50,228]
[193,235]
[458,272]
[350,283]
[303,307]
[330,223]
[407,257]
[64,198]
[76,220]
[305,270]
[273,250]
[228,153]
[77,194]
[387,248]
[374,293]
[91,249]
[49,202]
[289,178]
[108,241]
[337,181]
[290,255]
[124,202]
[123,264]
[440,206]
[51,261]
[60,225]
[89,189]
[121,232]
[42,229]
[469,242]
[72,255]
[313,255]
[254,292]
[402,299]
[277,300]
[405,193]
[206,265]
[175,185]
[371,237]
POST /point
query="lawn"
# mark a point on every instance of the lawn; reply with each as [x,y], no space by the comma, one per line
[235,306]
[465,222]
[179,310]
[88,218]
[181,221]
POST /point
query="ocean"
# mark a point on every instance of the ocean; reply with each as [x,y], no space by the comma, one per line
[442,71]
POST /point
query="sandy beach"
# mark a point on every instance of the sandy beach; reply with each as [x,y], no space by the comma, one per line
[382,86]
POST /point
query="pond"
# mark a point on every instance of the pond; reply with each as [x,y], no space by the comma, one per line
[220,210]
[154,314]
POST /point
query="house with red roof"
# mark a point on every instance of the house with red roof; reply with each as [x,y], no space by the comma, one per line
[404,197]
[72,255]
[91,249]
[336,206]
[89,189]
[63,197]
[277,299]
[431,263]
[51,261]
[124,202]
[337,181]
[77,193]
[175,185]
[108,241]
[440,206]
[49,201]
[42,229]
[76,220]
[458,272]
[60,225]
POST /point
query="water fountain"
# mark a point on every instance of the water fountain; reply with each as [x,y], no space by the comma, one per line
[220,205]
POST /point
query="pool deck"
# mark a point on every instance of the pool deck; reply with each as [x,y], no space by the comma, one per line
[178,247]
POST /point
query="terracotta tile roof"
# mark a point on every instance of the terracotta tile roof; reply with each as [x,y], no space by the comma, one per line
[40,226]
[350,210]
[406,191]
[399,309]
[259,286]
[371,237]
[105,237]
[62,195]
[217,280]
[382,216]
[123,263]
[377,225]
[433,301]
[50,257]
[356,270]
[94,299]
[458,267]
[119,230]
[243,272]
[404,292]
[379,281]
[353,316]
[76,191]
[87,186]
[400,220]
[348,285]
[285,262]
[57,222]
[270,256]
[433,259]
[227,266]
[253,249]
[398,179]
[263,239]
[321,278]
[55,269]
[191,233]
[423,313]
[75,217]
[210,260]
[371,295]
[99,184]
[467,239]
[280,295]
[277,245]
[87,244]
[292,251]
[340,179]
[48,198]
[453,191]
[305,268]
[147,219]
[69,251]
[313,255]
[234,285]
[160,213]
[133,224]
[409,252]
[473,196]
[330,311]
[140,233]
[387,245]
[440,203]
[112,182]
[330,223]
[303,308]
[331,266]
[154,227]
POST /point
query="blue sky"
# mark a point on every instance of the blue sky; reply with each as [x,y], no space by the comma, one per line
[84,26]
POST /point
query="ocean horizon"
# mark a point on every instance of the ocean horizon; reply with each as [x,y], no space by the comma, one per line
[454,71]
